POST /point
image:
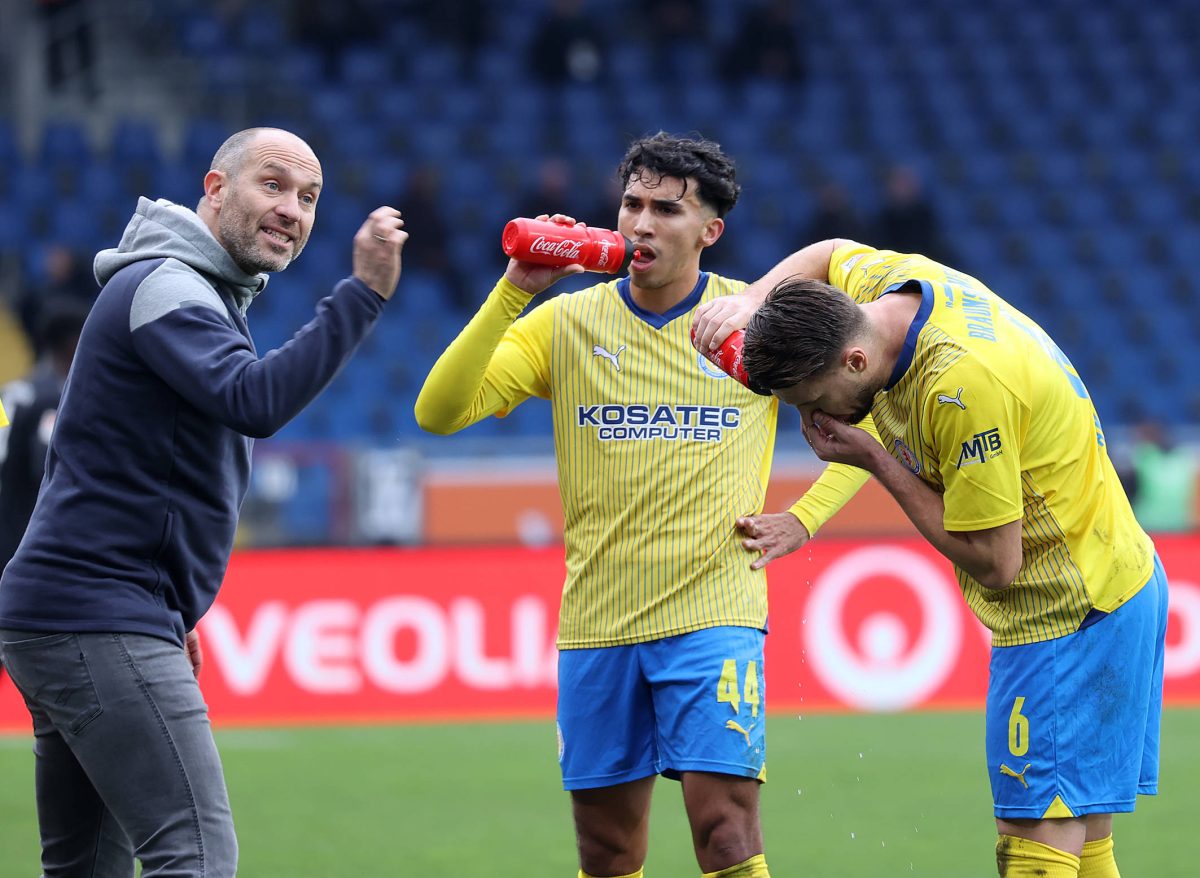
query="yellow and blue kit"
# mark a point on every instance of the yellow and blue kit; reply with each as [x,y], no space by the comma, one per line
[658,453]
[988,411]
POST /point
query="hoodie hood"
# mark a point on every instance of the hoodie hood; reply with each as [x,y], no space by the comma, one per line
[163,230]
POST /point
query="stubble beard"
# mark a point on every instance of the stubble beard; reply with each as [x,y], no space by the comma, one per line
[865,401]
[239,232]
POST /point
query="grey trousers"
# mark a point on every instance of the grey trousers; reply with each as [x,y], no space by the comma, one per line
[125,760]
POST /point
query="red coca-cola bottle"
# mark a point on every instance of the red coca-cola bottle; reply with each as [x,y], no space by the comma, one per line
[728,357]
[548,243]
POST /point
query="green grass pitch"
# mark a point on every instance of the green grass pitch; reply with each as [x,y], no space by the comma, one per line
[849,796]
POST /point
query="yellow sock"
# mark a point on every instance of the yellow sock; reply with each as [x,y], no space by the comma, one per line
[755,867]
[1022,858]
[637,874]
[1097,860]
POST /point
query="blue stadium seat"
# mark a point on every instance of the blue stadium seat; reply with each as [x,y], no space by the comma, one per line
[178,182]
[33,185]
[357,142]
[73,222]
[201,138]
[104,186]
[10,147]
[64,141]
[227,73]
[367,67]
[301,68]
[15,231]
[434,65]
[260,29]
[202,34]
[135,141]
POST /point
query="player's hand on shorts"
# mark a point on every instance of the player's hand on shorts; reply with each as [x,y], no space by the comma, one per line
[194,653]
[837,442]
[533,277]
[377,246]
[772,535]
[716,319]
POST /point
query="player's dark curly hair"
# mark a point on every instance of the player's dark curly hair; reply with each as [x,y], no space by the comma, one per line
[799,332]
[665,155]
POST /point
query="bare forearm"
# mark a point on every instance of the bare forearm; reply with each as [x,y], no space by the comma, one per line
[810,262]
[926,510]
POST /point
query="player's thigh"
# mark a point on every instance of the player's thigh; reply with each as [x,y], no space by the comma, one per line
[710,701]
[615,818]
[606,730]
[1067,719]
[721,800]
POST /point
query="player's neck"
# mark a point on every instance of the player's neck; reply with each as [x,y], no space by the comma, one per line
[890,317]
[660,300]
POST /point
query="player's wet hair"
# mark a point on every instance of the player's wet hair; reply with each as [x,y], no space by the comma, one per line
[665,155]
[799,332]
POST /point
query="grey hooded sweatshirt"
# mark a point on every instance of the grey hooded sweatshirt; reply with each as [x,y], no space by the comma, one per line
[150,457]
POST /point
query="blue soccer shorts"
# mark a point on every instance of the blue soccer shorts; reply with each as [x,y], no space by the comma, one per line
[693,702]
[1073,723]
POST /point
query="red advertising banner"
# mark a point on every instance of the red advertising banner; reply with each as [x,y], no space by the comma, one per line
[422,634]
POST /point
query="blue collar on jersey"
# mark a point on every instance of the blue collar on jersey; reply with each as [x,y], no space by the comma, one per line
[658,321]
[919,321]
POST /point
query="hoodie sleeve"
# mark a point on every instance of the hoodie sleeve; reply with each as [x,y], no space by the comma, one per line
[182,331]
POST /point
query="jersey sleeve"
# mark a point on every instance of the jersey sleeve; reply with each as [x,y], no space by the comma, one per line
[977,426]
[866,273]
[492,366]
[183,334]
[842,263]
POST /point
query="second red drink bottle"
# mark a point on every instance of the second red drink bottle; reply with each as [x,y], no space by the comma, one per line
[548,243]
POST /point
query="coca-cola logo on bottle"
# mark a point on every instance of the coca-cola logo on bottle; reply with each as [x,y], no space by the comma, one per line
[602,261]
[569,250]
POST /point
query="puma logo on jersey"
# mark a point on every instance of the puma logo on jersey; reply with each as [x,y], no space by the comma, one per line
[598,351]
[1008,772]
[734,726]
[952,400]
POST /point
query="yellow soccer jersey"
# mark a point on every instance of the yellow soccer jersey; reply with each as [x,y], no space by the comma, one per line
[3,417]
[985,408]
[658,452]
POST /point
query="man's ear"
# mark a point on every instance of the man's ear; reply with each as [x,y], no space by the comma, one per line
[855,359]
[713,229]
[215,184]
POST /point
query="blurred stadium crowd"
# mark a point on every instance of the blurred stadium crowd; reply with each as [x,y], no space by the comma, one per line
[1045,146]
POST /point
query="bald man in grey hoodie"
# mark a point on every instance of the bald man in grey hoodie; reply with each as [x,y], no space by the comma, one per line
[147,468]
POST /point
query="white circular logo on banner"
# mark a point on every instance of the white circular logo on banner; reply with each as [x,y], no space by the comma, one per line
[1182,659]
[870,669]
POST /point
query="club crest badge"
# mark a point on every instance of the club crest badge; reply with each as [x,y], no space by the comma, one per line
[907,456]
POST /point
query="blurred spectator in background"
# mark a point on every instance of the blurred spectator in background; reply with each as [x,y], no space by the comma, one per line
[1163,481]
[835,217]
[767,44]
[32,403]
[675,23]
[568,47]
[331,27]
[462,24]
[70,45]
[64,276]
[673,27]
[555,190]
[907,222]
[420,205]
